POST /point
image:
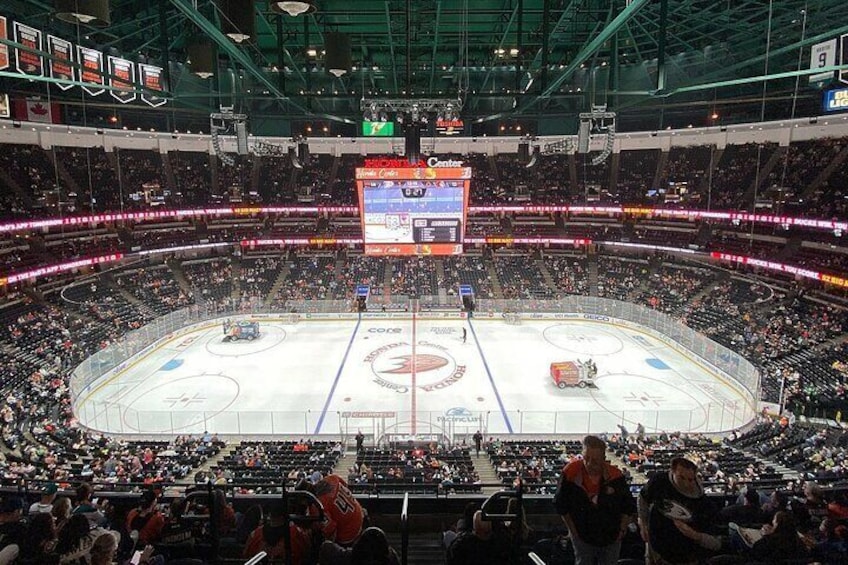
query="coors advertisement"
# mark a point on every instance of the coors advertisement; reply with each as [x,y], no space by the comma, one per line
[27,62]
[122,77]
[60,66]
[4,49]
[91,71]
[151,79]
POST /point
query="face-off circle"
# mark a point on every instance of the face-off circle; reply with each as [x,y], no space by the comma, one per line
[180,404]
[639,398]
[434,368]
[582,339]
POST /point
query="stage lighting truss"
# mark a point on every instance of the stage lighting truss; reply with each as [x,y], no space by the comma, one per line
[410,109]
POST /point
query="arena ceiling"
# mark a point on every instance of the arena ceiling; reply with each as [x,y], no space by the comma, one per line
[537,62]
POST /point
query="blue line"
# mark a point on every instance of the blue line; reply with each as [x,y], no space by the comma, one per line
[338,374]
[491,380]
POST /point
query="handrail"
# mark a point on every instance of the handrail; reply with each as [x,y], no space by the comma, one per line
[256,559]
[404,530]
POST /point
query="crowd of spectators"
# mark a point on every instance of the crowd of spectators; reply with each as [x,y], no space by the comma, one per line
[414,277]
[192,177]
[416,469]
[736,171]
[94,176]
[210,279]
[155,287]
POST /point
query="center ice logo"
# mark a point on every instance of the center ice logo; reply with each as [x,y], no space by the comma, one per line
[434,368]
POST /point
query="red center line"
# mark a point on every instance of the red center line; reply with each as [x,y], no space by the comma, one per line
[414,339]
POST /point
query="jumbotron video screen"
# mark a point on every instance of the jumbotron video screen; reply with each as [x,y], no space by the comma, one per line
[413,210]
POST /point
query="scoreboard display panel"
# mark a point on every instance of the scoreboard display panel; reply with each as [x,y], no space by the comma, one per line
[413,211]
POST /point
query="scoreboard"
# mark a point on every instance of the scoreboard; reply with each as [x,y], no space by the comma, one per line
[413,209]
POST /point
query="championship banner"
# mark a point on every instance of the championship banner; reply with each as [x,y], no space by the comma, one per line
[843,74]
[123,77]
[151,79]
[60,66]
[26,62]
[91,62]
[4,49]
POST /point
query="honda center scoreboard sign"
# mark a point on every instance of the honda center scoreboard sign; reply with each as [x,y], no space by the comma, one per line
[413,209]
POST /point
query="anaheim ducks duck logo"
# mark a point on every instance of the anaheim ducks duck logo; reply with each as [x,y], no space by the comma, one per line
[423,362]
[394,364]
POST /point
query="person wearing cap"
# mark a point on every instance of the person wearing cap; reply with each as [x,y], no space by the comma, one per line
[45,505]
[674,516]
[146,519]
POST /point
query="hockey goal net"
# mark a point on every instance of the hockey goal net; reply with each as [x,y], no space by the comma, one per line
[512,318]
[291,318]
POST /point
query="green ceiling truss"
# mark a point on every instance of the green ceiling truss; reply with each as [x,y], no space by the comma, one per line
[508,59]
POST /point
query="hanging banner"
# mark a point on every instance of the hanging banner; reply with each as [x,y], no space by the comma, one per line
[39,111]
[151,79]
[5,109]
[91,62]
[4,49]
[843,59]
[26,62]
[123,77]
[60,67]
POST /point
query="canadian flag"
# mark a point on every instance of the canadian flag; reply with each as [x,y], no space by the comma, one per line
[38,111]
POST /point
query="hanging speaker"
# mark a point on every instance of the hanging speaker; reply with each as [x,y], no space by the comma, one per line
[203,58]
[238,19]
[338,58]
[293,158]
[89,12]
[523,152]
[303,153]
[412,141]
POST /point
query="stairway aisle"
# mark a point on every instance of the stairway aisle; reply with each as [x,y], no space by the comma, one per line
[483,466]
[593,275]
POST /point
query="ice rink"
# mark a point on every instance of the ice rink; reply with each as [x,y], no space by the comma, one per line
[399,376]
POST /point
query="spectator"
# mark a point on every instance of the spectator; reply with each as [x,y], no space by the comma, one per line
[595,503]
[11,527]
[87,507]
[478,546]
[343,515]
[75,540]
[146,519]
[37,547]
[269,537]
[48,496]
[61,512]
[673,515]
[748,513]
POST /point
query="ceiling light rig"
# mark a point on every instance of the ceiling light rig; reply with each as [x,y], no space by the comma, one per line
[292,8]
[89,12]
